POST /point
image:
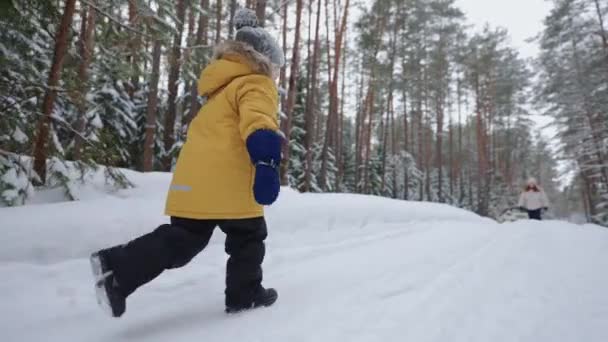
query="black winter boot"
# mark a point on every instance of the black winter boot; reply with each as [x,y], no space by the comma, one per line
[107,289]
[264,298]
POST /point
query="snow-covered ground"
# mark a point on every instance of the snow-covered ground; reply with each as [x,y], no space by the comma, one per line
[348,268]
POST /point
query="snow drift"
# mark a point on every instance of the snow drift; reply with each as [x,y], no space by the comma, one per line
[347,267]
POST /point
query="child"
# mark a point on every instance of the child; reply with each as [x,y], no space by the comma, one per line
[533,200]
[226,171]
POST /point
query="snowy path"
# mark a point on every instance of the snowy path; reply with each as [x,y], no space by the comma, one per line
[347,269]
[423,282]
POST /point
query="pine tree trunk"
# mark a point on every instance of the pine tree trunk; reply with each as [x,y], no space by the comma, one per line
[41,148]
[291,96]
[260,11]
[388,121]
[332,117]
[482,167]
[311,102]
[428,148]
[283,73]
[201,39]
[87,41]
[148,162]
[420,142]
[460,162]
[190,50]
[439,141]
[134,46]
[340,147]
[359,119]
[406,146]
[188,57]
[368,137]
[174,73]
[233,6]
[385,128]
[218,21]
[595,134]
[602,29]
[394,139]
[451,153]
[379,30]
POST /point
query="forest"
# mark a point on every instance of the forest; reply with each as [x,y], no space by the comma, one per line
[396,98]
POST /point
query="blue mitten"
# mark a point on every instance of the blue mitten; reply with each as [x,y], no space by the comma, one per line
[264,148]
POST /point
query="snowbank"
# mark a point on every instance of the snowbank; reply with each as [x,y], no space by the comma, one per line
[53,232]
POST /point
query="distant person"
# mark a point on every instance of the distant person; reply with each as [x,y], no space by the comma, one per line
[533,200]
[226,171]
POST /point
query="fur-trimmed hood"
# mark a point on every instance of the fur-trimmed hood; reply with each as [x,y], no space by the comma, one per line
[231,60]
[259,63]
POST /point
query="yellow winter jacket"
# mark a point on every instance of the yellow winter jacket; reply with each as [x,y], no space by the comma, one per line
[213,178]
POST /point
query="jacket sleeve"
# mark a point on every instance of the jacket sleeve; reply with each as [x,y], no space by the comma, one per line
[544,199]
[522,200]
[257,104]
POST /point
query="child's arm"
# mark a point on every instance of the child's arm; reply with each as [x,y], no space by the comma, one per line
[258,105]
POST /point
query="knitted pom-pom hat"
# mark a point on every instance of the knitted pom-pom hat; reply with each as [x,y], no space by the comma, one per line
[248,32]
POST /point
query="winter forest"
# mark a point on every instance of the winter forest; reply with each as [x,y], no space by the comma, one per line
[395,98]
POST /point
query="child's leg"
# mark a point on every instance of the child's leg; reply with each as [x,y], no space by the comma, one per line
[534,214]
[245,245]
[169,246]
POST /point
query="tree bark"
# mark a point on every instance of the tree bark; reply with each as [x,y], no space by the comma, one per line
[406,145]
[233,6]
[41,148]
[388,124]
[482,155]
[311,102]
[602,28]
[283,72]
[291,97]
[134,46]
[379,30]
[260,11]
[201,39]
[332,117]
[174,73]
[340,147]
[218,21]
[359,119]
[87,41]
[148,161]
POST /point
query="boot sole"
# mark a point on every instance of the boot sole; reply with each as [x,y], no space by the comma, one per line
[100,290]
[265,304]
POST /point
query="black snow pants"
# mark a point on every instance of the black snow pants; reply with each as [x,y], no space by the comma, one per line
[535,214]
[174,245]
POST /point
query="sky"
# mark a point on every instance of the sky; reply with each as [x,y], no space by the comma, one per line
[522,18]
